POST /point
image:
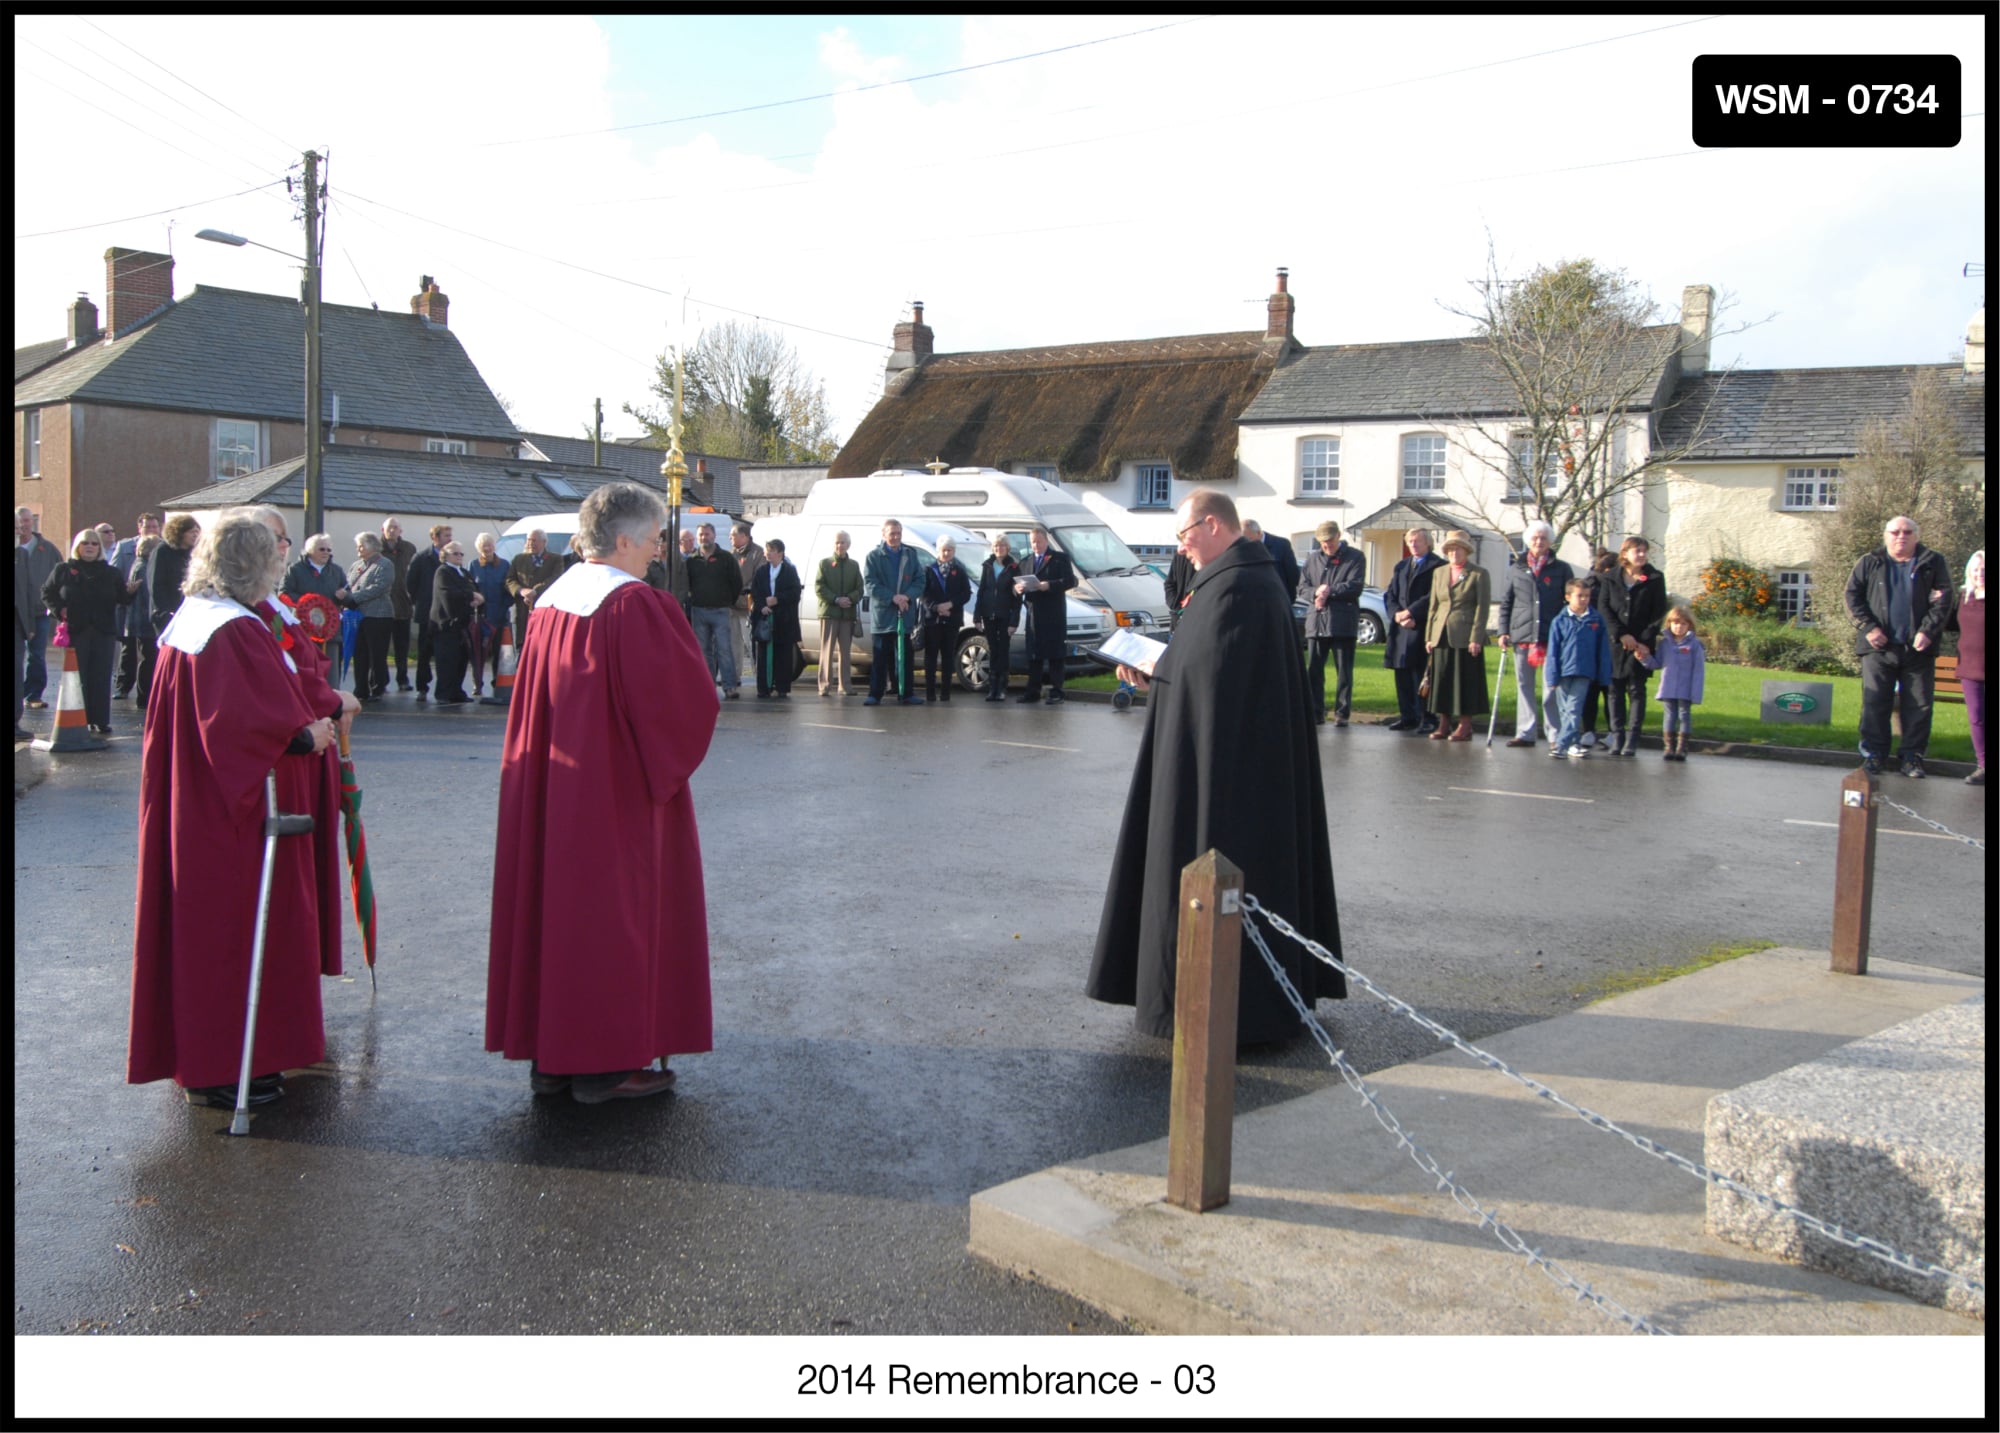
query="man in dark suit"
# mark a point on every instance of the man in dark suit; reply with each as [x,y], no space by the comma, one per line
[419,584]
[454,595]
[1330,587]
[1282,556]
[1408,598]
[1048,612]
[997,613]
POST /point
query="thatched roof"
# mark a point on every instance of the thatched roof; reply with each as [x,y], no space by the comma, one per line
[1084,407]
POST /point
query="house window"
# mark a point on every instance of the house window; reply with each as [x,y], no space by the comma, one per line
[1518,482]
[1812,489]
[31,443]
[1423,464]
[1795,594]
[1319,467]
[1155,486]
[239,448]
[1046,474]
[445,445]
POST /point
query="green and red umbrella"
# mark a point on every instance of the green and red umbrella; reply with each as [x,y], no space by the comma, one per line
[360,882]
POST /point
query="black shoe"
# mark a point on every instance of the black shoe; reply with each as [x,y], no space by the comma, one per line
[23,734]
[403,686]
[1398,725]
[1340,721]
[263,1090]
[626,1085]
[543,1084]
[996,696]
[122,693]
[1520,741]
[1054,698]
[1029,697]
[1913,767]
[421,696]
[911,701]
[1870,765]
[1418,730]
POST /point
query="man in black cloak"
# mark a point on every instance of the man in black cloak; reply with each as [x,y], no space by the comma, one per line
[1229,759]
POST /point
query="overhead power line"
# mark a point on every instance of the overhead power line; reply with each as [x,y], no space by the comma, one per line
[154,214]
[290,148]
[855,90]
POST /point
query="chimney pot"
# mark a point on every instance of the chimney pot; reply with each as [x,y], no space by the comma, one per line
[1975,342]
[912,348]
[137,285]
[1697,306]
[429,304]
[1279,311]
[82,322]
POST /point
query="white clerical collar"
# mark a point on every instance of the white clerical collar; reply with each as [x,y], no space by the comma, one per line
[201,616]
[582,590]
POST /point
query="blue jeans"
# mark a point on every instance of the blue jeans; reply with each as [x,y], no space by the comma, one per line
[37,681]
[715,629]
[1570,693]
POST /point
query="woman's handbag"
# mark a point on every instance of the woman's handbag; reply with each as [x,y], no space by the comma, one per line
[61,638]
[761,629]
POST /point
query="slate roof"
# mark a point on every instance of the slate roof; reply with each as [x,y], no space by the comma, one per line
[37,355]
[1809,412]
[640,463]
[1085,407]
[500,490]
[242,355]
[1429,379]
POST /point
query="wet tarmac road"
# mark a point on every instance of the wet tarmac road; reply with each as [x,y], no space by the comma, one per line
[899,1020]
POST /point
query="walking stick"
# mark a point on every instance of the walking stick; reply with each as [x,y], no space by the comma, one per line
[275,825]
[1493,719]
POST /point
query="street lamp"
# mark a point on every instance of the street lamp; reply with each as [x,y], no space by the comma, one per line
[314,491]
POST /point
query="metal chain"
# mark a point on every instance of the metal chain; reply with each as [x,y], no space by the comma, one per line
[1886,1253]
[1976,845]
[1445,1181]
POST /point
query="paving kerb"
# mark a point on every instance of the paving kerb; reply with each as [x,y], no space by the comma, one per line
[1332,1229]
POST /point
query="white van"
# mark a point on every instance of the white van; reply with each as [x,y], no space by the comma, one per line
[808,539]
[1109,574]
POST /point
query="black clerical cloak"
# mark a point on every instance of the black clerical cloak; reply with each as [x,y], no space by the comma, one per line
[1229,759]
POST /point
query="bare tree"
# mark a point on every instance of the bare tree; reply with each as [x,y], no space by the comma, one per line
[1587,368]
[1912,467]
[746,395]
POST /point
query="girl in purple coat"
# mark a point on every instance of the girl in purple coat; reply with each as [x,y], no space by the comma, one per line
[1681,660]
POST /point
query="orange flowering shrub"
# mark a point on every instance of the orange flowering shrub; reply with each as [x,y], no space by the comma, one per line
[1735,589]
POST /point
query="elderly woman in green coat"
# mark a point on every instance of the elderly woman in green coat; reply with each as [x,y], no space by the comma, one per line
[838,587]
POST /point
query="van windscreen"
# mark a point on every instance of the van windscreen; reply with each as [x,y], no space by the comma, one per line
[1097,551]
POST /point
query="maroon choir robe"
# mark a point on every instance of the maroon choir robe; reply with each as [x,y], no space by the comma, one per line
[598,957]
[225,704]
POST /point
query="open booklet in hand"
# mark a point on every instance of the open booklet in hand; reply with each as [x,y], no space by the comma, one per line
[1127,648]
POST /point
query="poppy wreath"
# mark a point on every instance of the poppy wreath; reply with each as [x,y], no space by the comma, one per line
[318,615]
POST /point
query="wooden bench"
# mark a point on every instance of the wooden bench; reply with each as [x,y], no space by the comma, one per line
[1949,687]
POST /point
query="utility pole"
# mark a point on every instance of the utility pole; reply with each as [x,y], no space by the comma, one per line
[597,434]
[315,494]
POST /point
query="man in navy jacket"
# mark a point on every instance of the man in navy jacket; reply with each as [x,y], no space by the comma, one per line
[1408,598]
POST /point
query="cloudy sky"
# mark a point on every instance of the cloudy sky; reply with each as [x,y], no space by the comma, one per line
[582,188]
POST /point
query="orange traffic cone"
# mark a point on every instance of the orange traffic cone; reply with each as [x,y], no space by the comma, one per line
[503,671]
[71,732]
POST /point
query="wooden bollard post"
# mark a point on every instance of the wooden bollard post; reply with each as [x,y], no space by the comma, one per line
[1203,1104]
[1854,874]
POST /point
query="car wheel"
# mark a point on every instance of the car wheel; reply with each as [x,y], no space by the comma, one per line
[975,664]
[1368,630]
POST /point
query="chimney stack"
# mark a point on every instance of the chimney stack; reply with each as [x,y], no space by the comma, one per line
[429,303]
[1975,342]
[1280,309]
[1697,305]
[912,348]
[137,285]
[82,322]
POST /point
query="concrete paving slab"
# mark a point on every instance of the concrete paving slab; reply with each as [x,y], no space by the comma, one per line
[1332,1229]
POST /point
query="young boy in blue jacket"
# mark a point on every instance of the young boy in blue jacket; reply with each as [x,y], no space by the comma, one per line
[1579,654]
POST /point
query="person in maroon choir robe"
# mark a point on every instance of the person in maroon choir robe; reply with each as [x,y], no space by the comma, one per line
[598,957]
[226,709]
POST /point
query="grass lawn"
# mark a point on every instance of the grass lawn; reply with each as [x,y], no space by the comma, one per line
[1728,711]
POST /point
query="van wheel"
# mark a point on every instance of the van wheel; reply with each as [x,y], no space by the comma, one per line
[975,663]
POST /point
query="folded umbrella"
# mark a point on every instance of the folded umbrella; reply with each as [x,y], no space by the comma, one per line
[360,882]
